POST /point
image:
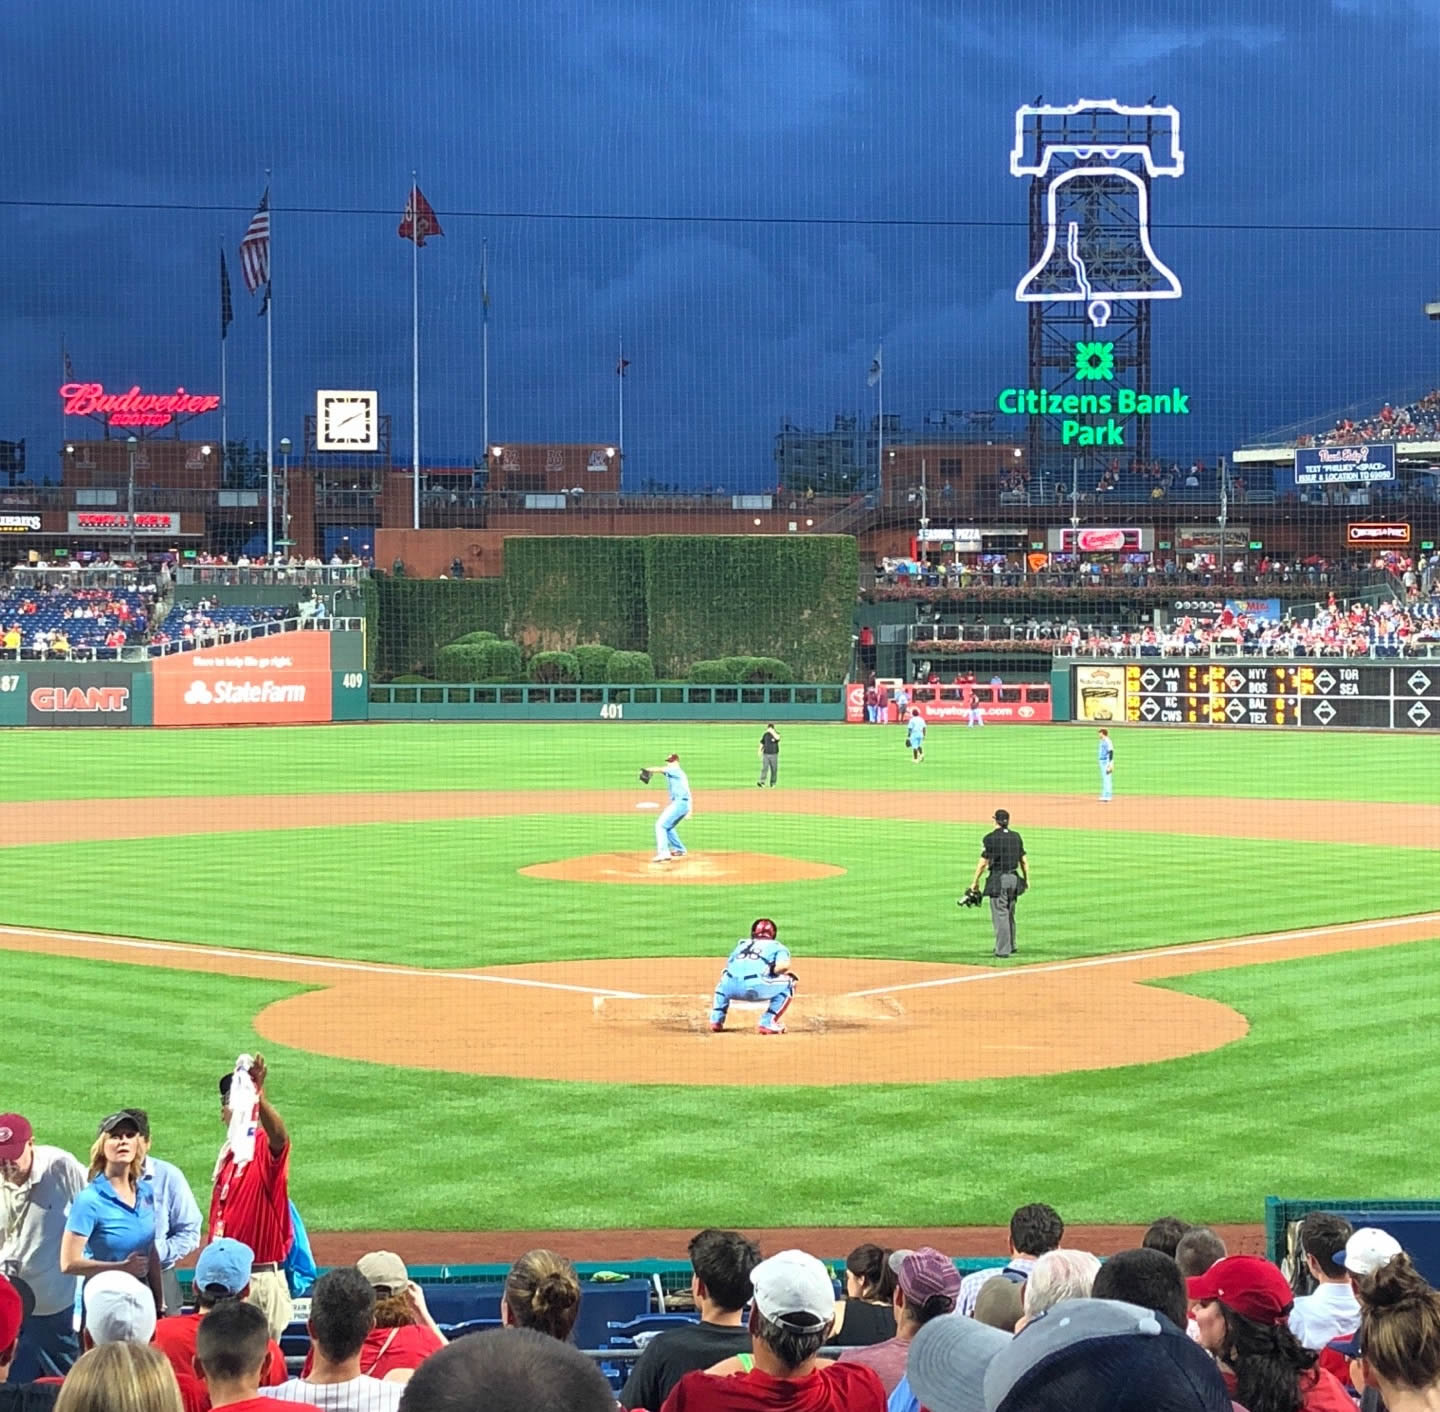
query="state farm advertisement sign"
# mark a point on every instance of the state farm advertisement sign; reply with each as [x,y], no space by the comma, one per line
[279,680]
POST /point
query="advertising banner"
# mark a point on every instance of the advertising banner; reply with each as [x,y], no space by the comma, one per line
[1100,693]
[1027,703]
[1207,539]
[19,524]
[279,680]
[1327,465]
[1267,608]
[1100,539]
[64,698]
[113,522]
[1374,532]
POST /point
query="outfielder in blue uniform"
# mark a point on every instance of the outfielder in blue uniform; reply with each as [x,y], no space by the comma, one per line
[667,841]
[758,969]
[915,735]
[1107,767]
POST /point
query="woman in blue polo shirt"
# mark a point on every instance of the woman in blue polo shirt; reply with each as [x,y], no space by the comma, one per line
[111,1225]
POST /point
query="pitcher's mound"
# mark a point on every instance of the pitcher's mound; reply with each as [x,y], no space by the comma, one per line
[692,868]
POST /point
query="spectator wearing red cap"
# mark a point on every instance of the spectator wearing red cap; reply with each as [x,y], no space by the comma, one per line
[11,1317]
[1242,1304]
[37,1185]
[927,1284]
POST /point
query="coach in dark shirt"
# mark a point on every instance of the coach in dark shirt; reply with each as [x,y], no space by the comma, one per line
[722,1262]
[1002,862]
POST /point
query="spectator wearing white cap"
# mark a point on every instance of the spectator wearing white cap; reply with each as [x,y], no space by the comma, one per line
[37,1185]
[1332,1310]
[927,1284]
[118,1309]
[222,1275]
[790,1318]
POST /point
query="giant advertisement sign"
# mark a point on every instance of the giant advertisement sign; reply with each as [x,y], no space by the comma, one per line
[279,680]
[59,698]
[1330,465]
[112,522]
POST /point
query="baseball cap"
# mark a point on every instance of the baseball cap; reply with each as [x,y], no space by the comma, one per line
[136,1118]
[1249,1285]
[385,1270]
[1099,1355]
[15,1132]
[12,1314]
[672,759]
[947,1362]
[1001,816]
[118,1309]
[925,1273]
[225,1264]
[1365,1252]
[791,1283]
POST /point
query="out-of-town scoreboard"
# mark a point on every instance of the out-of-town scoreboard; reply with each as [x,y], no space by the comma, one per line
[1323,692]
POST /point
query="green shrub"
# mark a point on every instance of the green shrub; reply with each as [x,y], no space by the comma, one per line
[479,662]
[725,671]
[410,679]
[554,667]
[594,661]
[631,667]
[484,635]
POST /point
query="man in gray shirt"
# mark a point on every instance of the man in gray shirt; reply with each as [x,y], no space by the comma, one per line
[37,1185]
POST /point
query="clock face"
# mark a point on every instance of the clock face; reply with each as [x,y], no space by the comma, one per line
[346,421]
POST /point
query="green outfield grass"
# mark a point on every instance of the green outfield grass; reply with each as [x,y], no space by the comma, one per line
[448,894]
[51,764]
[1336,1043]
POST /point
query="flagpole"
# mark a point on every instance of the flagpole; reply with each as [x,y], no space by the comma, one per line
[620,368]
[415,347]
[224,401]
[880,421]
[269,393]
[485,345]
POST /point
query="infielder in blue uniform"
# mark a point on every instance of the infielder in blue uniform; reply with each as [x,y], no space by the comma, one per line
[667,841]
[915,735]
[1107,767]
[758,969]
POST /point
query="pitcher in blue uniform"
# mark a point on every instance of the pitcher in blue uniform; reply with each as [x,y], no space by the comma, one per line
[667,841]
[758,969]
[1107,767]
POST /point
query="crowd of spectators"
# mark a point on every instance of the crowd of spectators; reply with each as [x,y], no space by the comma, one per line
[1389,629]
[56,622]
[897,576]
[1409,421]
[206,622]
[1175,1324]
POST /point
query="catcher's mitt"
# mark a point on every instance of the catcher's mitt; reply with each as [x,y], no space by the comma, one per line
[644,776]
[971,898]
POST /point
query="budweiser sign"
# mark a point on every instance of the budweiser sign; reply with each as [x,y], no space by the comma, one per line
[134,408]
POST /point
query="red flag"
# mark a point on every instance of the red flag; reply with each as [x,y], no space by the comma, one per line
[620,367]
[418,222]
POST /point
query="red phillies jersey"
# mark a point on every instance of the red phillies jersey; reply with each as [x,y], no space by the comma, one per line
[252,1203]
[840,1387]
[175,1338]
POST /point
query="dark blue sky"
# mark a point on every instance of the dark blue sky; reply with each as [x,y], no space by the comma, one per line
[752,193]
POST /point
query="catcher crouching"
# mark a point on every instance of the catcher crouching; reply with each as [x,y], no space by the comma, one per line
[757,969]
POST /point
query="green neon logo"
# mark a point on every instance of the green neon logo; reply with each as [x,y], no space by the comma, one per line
[1094,362]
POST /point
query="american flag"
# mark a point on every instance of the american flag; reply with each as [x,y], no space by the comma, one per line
[255,248]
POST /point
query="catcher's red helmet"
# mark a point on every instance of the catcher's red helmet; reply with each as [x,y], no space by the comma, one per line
[763,926]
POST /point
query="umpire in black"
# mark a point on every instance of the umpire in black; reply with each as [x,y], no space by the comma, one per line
[1002,863]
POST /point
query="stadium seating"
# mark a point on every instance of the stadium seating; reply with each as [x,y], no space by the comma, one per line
[102,612]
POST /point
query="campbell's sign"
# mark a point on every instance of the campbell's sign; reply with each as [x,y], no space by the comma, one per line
[134,408]
[1101,539]
[283,679]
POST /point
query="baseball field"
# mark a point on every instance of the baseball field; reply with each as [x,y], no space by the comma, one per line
[483,1006]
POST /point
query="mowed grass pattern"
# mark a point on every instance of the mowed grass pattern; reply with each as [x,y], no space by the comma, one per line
[1209,1135]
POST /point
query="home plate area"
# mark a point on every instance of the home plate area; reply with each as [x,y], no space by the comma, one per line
[689,1014]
